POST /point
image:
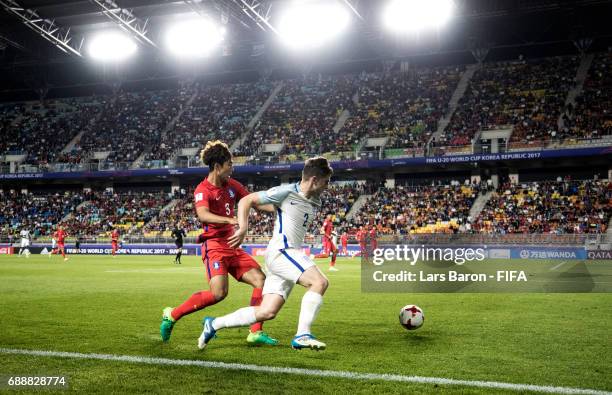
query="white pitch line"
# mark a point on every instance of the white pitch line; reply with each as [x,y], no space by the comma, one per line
[307,372]
[558,266]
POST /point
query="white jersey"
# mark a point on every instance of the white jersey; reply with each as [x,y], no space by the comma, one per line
[25,238]
[25,235]
[294,214]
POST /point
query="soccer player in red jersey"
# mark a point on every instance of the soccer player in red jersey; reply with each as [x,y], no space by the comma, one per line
[361,237]
[344,242]
[114,241]
[215,201]
[372,236]
[328,244]
[60,236]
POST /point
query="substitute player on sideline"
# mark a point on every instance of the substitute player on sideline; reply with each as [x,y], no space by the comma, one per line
[286,262]
[215,201]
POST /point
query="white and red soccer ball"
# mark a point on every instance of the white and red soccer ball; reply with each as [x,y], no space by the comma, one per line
[411,317]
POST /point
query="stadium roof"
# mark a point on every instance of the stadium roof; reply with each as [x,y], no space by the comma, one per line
[42,38]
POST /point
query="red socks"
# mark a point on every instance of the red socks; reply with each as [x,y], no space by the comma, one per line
[256,301]
[199,300]
[196,302]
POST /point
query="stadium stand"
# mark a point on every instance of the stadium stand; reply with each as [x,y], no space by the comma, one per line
[128,117]
[405,107]
[302,117]
[527,96]
[37,212]
[105,210]
[558,207]
[41,131]
[218,111]
[418,209]
[591,118]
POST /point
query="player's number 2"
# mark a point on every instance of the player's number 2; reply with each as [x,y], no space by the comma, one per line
[305,219]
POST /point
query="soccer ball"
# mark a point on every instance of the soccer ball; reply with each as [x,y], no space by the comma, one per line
[411,317]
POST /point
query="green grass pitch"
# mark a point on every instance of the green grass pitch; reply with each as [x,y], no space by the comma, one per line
[97,304]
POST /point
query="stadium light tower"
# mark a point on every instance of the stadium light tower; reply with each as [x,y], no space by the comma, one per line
[412,16]
[310,25]
[194,38]
[111,47]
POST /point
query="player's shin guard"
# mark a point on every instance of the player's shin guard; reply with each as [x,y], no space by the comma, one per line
[241,317]
[256,301]
[196,302]
[311,303]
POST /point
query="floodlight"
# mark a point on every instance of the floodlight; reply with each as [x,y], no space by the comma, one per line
[111,47]
[194,38]
[311,25]
[411,16]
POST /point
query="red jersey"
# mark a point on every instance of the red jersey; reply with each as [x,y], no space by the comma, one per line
[372,234]
[344,239]
[328,227]
[220,201]
[115,236]
[59,236]
[361,234]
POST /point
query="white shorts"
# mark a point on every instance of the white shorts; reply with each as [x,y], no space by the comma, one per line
[283,270]
[53,244]
[25,243]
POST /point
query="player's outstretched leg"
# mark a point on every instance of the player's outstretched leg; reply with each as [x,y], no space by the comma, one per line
[245,316]
[312,301]
[170,315]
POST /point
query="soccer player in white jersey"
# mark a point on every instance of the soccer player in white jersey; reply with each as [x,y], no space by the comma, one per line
[25,242]
[286,262]
[53,247]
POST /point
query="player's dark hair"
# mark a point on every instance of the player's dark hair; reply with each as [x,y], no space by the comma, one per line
[318,167]
[215,152]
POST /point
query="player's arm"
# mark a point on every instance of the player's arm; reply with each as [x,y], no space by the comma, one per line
[205,216]
[268,208]
[242,192]
[244,207]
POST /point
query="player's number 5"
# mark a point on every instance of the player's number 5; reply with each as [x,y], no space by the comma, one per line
[305,219]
